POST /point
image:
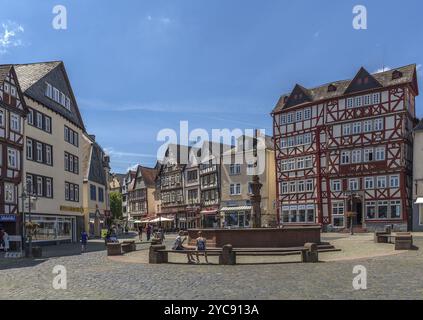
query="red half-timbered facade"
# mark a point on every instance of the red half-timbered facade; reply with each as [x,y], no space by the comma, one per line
[346,147]
[12,114]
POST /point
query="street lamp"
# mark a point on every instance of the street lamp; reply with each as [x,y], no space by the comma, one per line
[27,194]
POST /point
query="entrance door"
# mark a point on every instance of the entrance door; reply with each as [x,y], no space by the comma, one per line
[359,211]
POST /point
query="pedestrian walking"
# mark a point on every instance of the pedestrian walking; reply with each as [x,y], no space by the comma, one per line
[84,241]
[140,232]
[6,241]
[148,232]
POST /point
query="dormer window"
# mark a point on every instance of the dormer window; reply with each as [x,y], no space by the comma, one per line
[57,96]
[331,88]
[396,74]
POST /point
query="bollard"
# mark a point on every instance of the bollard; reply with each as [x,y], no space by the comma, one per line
[156,257]
[228,257]
[311,253]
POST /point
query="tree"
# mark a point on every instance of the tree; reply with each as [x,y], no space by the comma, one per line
[116,205]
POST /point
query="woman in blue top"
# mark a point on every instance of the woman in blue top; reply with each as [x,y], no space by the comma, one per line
[201,247]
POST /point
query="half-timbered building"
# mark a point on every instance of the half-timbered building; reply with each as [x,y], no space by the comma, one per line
[12,113]
[344,151]
[141,197]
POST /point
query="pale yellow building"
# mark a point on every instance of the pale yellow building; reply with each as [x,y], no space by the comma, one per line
[239,165]
[53,151]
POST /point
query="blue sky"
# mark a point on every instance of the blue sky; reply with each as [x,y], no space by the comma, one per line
[137,67]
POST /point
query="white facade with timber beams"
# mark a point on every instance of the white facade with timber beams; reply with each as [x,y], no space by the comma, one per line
[346,147]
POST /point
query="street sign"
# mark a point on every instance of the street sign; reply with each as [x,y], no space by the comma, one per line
[7,218]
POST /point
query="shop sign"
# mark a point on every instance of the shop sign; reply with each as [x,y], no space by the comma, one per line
[72,209]
[7,218]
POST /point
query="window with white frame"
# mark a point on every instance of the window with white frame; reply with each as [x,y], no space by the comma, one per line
[369,183]
[350,102]
[291,142]
[29,149]
[346,129]
[367,99]
[15,122]
[283,119]
[2,117]
[382,209]
[48,155]
[300,163]
[309,185]
[371,209]
[291,164]
[394,182]
[235,189]
[40,186]
[290,117]
[307,114]
[358,101]
[284,188]
[345,157]
[300,140]
[381,182]
[283,143]
[336,185]
[380,154]
[49,188]
[234,169]
[9,192]
[356,156]
[376,98]
[396,209]
[39,152]
[367,126]
[301,186]
[308,161]
[353,184]
[39,120]
[378,124]
[338,214]
[368,155]
[30,117]
[299,115]
[292,187]
[12,158]
[356,128]
[307,138]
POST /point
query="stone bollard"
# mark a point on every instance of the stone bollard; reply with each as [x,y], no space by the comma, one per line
[311,254]
[114,249]
[156,257]
[228,257]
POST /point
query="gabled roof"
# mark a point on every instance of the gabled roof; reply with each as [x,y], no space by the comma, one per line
[4,72]
[32,77]
[385,79]
[362,81]
[298,95]
[149,176]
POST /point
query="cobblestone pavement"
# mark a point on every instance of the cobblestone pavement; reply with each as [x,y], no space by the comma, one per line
[95,276]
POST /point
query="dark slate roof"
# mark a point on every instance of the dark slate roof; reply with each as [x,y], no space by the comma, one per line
[4,72]
[32,78]
[321,93]
[97,172]
[149,175]
[419,126]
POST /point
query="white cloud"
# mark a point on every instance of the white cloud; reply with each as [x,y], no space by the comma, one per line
[121,154]
[419,68]
[383,69]
[9,36]
[160,20]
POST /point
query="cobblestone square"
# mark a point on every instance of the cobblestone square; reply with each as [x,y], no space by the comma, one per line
[93,275]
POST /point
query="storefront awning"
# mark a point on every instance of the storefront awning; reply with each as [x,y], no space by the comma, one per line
[242,208]
[419,201]
[208,212]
